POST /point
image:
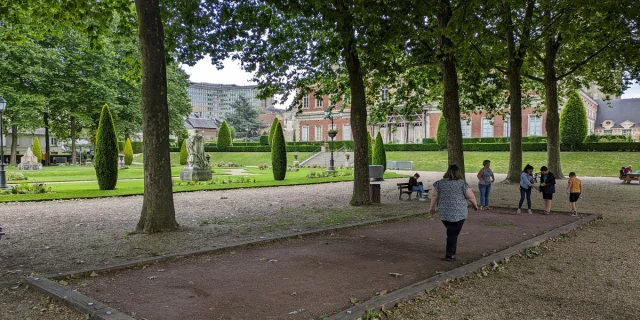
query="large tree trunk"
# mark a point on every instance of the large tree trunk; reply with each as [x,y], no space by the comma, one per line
[14,145]
[553,116]
[451,103]
[47,146]
[158,212]
[73,140]
[358,119]
[515,133]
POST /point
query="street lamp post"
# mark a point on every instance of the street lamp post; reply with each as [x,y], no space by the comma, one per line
[3,178]
[332,134]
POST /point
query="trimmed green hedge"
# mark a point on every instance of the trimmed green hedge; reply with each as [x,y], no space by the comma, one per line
[264,140]
[138,146]
[412,147]
[428,140]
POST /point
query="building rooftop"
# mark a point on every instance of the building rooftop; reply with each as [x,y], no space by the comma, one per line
[618,111]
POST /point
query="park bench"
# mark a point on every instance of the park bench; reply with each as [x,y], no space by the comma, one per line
[403,187]
[627,178]
[60,160]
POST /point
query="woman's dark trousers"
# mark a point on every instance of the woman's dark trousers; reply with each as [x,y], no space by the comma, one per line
[453,230]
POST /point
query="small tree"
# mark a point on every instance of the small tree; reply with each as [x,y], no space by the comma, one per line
[37,150]
[273,129]
[128,152]
[369,148]
[279,154]
[184,155]
[441,133]
[379,154]
[224,136]
[573,121]
[106,160]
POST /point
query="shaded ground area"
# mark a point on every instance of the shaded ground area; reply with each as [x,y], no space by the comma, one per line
[308,277]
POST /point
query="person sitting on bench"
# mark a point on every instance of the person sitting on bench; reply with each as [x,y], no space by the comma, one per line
[414,186]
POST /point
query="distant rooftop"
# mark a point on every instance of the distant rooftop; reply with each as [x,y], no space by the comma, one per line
[221,85]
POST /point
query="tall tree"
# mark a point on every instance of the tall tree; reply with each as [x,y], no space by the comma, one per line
[279,154]
[573,121]
[244,117]
[580,42]
[158,211]
[106,161]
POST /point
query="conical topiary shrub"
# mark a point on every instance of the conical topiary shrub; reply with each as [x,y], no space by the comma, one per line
[36,149]
[279,154]
[379,154]
[573,122]
[106,159]
[441,133]
[224,136]
[184,155]
[272,130]
[128,152]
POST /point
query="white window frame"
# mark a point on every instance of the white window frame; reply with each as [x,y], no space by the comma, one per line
[538,132]
[305,134]
[507,126]
[346,132]
[466,128]
[486,125]
[318,102]
[54,141]
[305,102]
[318,133]
[627,131]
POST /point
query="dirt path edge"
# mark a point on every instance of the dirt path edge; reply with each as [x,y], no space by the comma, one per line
[388,301]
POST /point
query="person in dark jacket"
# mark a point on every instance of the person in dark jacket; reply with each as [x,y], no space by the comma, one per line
[415,186]
[547,187]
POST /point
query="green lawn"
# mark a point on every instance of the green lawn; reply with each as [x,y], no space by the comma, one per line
[590,164]
[263,178]
[243,158]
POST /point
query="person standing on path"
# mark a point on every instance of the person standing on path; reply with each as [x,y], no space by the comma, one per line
[526,184]
[486,178]
[450,194]
[574,189]
[547,187]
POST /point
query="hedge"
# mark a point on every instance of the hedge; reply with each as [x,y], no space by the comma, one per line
[278,154]
[428,140]
[412,147]
[379,152]
[106,158]
[128,152]
[264,140]
[224,136]
[138,146]
[573,121]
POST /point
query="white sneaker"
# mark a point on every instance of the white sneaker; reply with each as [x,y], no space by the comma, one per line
[422,199]
[518,211]
[529,210]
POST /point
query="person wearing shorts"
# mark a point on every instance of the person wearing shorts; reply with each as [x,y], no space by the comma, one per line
[547,187]
[574,188]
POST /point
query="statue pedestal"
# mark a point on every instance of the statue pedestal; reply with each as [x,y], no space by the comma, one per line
[195,174]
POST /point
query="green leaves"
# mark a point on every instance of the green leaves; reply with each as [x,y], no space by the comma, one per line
[379,154]
[106,159]
[244,117]
[224,136]
[573,121]
[279,154]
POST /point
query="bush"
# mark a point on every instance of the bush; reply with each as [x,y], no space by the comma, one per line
[272,130]
[412,147]
[128,152]
[137,146]
[36,149]
[279,154]
[379,153]
[573,122]
[428,140]
[224,136]
[441,133]
[106,158]
[264,140]
[184,155]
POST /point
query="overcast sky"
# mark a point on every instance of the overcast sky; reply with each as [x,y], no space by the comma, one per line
[204,71]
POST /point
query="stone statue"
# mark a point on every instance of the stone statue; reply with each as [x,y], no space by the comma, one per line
[197,167]
[29,161]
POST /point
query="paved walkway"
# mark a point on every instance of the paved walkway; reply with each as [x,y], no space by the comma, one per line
[309,277]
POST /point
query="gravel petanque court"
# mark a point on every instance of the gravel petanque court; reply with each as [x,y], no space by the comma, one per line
[311,276]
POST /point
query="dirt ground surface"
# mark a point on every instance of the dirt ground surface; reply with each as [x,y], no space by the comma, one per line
[309,277]
[593,273]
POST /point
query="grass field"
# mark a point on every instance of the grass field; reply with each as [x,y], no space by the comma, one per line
[590,164]
[263,178]
[243,158]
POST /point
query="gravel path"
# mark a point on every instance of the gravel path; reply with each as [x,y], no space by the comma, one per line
[44,237]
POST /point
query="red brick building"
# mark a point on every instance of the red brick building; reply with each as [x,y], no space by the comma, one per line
[312,125]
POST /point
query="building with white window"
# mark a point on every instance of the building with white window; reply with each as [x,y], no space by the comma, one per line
[619,117]
[213,101]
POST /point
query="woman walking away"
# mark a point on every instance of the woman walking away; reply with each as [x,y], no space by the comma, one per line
[451,195]
[486,178]
[526,184]
[547,187]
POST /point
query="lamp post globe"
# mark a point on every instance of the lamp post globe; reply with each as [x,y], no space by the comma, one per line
[3,177]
